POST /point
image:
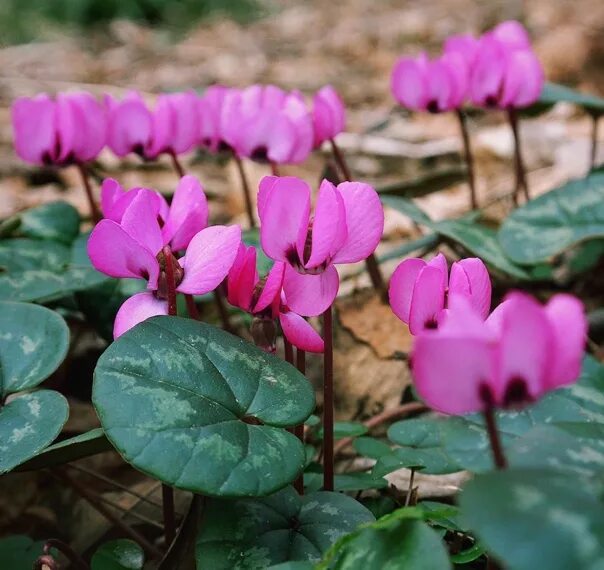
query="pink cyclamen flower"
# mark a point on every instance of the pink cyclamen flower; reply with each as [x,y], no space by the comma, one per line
[133,248]
[329,115]
[438,85]
[419,291]
[69,129]
[505,74]
[346,227]
[265,123]
[115,200]
[263,299]
[171,127]
[466,45]
[522,351]
[213,108]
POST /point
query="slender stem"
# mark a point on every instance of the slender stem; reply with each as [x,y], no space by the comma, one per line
[494,439]
[106,512]
[465,135]
[176,164]
[521,183]
[129,512]
[373,267]
[274,169]
[222,309]
[379,419]
[328,404]
[289,350]
[340,160]
[95,214]
[192,307]
[247,196]
[410,489]
[170,281]
[167,492]
[64,548]
[594,140]
[299,429]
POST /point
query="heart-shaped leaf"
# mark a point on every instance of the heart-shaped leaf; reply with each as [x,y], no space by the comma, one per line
[556,221]
[33,343]
[19,552]
[57,221]
[346,482]
[28,423]
[424,185]
[536,519]
[121,554]
[284,527]
[201,409]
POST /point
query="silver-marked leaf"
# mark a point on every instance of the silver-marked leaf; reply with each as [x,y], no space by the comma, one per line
[18,552]
[556,221]
[536,519]
[29,423]
[57,221]
[346,482]
[284,527]
[33,342]
[201,409]
[121,554]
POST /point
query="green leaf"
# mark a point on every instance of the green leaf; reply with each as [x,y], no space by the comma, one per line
[72,449]
[345,429]
[35,342]
[424,185]
[57,221]
[536,519]
[284,527]
[252,237]
[19,552]
[553,93]
[346,482]
[181,400]
[28,423]
[421,448]
[407,207]
[371,447]
[389,544]
[298,565]
[121,554]
[556,221]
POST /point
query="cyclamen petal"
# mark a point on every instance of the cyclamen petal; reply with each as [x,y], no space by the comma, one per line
[137,309]
[140,221]
[402,283]
[428,300]
[208,258]
[310,295]
[523,80]
[34,127]
[115,200]
[300,333]
[329,116]
[130,125]
[272,287]
[115,253]
[470,277]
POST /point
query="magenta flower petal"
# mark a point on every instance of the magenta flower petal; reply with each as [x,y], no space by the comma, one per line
[329,115]
[523,81]
[471,278]
[209,257]
[300,333]
[408,82]
[186,121]
[566,316]
[210,112]
[364,222]
[264,191]
[140,221]
[465,45]
[401,287]
[130,126]
[233,283]
[488,73]
[111,193]
[188,213]
[284,218]
[310,295]
[329,226]
[246,280]
[524,349]
[428,300]
[115,253]
[90,121]
[439,261]
[137,309]
[34,128]
[513,34]
[272,287]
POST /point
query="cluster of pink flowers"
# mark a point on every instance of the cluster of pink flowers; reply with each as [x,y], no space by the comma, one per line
[465,360]
[260,122]
[497,70]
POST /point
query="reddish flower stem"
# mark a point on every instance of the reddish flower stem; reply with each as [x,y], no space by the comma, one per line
[521,183]
[222,309]
[373,267]
[328,405]
[166,491]
[249,208]
[594,140]
[274,169]
[494,439]
[289,350]
[47,559]
[95,214]
[180,171]
[465,136]
[299,429]
[192,307]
